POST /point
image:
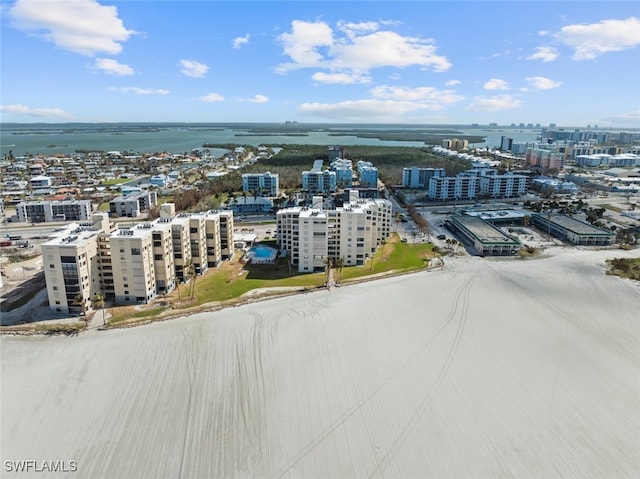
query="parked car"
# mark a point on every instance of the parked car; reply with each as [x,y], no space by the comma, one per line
[441,237]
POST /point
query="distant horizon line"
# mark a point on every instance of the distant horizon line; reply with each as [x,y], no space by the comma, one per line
[527,126]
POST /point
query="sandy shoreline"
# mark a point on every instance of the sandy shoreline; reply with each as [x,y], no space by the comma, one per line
[488,368]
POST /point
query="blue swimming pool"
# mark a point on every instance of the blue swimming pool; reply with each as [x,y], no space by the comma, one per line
[261,254]
[260,251]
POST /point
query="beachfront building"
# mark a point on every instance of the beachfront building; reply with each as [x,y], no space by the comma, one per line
[261,184]
[132,265]
[226,234]
[351,232]
[414,177]
[486,239]
[57,210]
[133,205]
[181,244]
[444,188]
[572,230]
[319,181]
[162,250]
[71,265]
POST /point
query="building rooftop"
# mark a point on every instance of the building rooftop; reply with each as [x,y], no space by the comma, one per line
[576,226]
[483,231]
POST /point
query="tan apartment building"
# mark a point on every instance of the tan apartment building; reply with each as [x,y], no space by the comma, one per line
[163,262]
[133,265]
[71,263]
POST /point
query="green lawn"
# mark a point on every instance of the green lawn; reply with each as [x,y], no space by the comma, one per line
[393,256]
[232,279]
[115,181]
[228,283]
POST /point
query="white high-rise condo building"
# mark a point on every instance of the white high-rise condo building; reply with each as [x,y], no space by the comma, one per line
[352,232]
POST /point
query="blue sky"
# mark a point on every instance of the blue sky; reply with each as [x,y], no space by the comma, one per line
[572,63]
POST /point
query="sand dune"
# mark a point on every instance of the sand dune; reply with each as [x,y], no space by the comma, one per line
[486,369]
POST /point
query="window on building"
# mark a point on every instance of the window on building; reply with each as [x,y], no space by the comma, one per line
[135,251]
[157,257]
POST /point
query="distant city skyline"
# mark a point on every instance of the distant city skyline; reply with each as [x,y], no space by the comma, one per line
[405,62]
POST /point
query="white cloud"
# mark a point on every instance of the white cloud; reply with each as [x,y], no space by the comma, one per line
[239,41]
[496,84]
[453,83]
[504,53]
[79,26]
[626,119]
[345,78]
[355,47]
[388,103]
[386,49]
[211,97]
[544,54]
[193,69]
[259,99]
[140,91]
[36,112]
[593,40]
[542,83]
[360,110]
[302,44]
[428,97]
[355,29]
[500,102]
[112,67]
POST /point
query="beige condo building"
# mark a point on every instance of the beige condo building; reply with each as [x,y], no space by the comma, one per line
[71,265]
[132,265]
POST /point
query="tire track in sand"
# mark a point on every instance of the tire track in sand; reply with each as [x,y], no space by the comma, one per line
[460,301]
[459,310]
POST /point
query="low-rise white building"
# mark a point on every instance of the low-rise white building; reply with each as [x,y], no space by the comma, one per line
[57,210]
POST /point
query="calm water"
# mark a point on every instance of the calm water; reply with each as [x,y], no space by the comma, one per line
[261,251]
[50,139]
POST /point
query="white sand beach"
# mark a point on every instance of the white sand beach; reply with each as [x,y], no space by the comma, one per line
[488,368]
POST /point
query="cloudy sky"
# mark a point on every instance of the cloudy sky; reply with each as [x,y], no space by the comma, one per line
[571,63]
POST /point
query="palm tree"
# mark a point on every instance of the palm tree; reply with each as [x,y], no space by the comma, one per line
[339,264]
[78,300]
[328,262]
[98,303]
[191,272]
